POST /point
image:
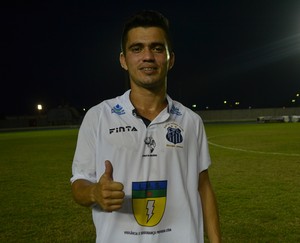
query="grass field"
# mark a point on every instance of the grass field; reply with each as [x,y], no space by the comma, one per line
[255,174]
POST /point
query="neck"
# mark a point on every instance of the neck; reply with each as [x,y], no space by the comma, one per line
[148,103]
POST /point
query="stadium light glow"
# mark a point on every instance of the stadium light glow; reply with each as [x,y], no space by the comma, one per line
[39,107]
[194,105]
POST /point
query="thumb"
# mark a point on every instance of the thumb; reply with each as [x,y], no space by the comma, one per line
[108,170]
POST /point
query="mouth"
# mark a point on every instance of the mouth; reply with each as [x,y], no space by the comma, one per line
[148,70]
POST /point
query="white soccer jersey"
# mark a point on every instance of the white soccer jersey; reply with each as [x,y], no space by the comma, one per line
[159,166]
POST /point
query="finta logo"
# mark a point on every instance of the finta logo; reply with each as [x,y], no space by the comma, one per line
[118,110]
[122,129]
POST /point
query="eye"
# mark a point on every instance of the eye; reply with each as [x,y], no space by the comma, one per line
[136,49]
[158,48]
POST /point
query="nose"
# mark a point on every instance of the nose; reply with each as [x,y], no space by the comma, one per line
[148,55]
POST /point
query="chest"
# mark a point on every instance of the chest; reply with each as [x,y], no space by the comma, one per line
[133,135]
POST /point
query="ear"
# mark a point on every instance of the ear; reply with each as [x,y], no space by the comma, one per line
[123,61]
[172,60]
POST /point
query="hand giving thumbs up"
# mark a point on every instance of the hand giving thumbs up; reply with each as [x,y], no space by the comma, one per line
[107,192]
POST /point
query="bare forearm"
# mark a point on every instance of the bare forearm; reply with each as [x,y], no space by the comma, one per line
[106,193]
[82,191]
[210,209]
[211,217]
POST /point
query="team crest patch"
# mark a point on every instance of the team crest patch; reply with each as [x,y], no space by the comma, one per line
[149,201]
[174,135]
[118,110]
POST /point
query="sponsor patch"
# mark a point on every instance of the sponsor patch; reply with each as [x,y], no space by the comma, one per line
[149,141]
[118,110]
[174,110]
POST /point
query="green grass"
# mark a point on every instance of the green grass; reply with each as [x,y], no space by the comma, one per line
[255,174]
[36,202]
[256,177]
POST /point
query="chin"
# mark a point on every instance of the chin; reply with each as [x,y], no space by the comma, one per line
[153,86]
[149,83]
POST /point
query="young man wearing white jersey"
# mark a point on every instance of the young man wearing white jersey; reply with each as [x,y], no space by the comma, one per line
[142,159]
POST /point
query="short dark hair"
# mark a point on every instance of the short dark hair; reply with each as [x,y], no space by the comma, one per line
[146,18]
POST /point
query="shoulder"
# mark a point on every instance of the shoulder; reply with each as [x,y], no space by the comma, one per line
[116,105]
[109,105]
[182,110]
[101,109]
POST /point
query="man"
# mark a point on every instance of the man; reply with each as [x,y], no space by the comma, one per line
[142,159]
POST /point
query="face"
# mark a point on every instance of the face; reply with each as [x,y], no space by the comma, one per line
[147,57]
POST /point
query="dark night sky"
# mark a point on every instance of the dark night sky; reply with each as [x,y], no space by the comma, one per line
[55,53]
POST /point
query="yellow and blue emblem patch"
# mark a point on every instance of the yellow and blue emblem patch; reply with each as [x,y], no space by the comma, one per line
[149,201]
